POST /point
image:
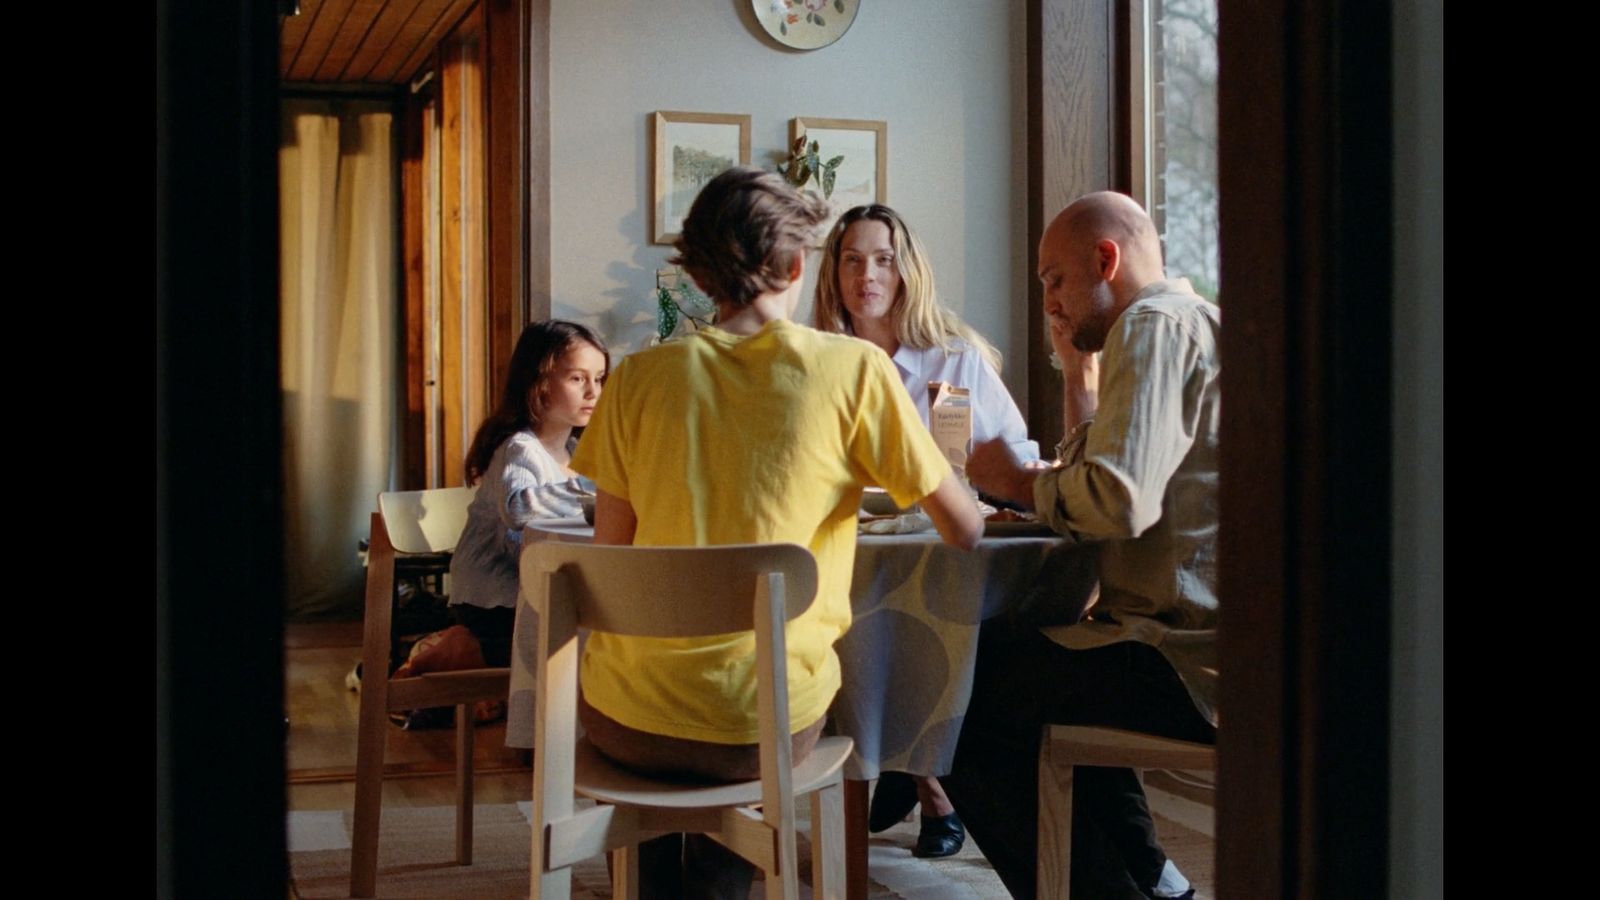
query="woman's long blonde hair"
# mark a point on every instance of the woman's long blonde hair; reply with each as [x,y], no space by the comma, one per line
[920,320]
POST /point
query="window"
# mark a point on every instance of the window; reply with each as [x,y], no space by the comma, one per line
[1174,124]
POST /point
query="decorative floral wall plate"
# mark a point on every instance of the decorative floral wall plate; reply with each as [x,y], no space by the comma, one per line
[806,24]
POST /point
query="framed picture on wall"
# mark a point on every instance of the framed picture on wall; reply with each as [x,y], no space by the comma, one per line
[863,175]
[691,149]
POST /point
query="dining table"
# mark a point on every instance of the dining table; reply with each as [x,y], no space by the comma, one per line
[908,658]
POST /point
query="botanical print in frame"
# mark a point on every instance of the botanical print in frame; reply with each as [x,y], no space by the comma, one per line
[863,176]
[690,150]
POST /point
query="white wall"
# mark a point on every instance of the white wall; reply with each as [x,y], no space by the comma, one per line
[1416,814]
[947,75]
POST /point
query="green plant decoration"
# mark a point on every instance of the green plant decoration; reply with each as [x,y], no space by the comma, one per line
[804,164]
[677,299]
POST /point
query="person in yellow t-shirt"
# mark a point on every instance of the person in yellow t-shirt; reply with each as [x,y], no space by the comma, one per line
[754,430]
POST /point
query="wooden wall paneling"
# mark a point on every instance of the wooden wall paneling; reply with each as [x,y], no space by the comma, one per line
[413,233]
[478,231]
[347,40]
[506,183]
[1070,134]
[365,41]
[474,225]
[451,226]
[429,18]
[451,14]
[433,292]
[387,27]
[536,104]
[319,37]
[292,33]
[462,250]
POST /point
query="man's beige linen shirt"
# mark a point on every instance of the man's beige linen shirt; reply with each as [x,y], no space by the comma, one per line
[1141,481]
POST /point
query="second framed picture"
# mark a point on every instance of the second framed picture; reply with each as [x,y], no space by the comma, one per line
[691,148]
[863,175]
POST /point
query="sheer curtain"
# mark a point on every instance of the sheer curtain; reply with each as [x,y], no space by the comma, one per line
[340,282]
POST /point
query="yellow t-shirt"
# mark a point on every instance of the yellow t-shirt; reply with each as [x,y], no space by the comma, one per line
[721,439]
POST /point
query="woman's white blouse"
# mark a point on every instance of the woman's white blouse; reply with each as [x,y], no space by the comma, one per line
[994,413]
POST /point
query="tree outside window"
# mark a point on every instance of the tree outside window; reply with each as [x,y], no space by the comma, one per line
[1183,94]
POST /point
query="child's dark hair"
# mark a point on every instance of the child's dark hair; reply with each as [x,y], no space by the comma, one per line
[540,347]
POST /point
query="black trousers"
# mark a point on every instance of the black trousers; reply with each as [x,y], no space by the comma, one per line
[492,628]
[1025,681]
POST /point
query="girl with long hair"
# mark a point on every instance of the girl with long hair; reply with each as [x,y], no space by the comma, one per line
[519,461]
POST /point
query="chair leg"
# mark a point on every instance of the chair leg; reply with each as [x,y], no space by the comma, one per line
[555,885]
[373,719]
[785,882]
[1054,874]
[857,883]
[465,730]
[371,738]
[625,873]
[827,843]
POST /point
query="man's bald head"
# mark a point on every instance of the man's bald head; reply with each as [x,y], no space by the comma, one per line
[1108,215]
[1096,255]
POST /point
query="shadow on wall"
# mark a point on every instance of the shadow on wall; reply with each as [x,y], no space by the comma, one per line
[629,321]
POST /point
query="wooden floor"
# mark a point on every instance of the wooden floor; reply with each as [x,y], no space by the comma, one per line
[322,715]
[322,736]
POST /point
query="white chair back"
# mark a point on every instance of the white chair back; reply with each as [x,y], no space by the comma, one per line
[674,592]
[425,521]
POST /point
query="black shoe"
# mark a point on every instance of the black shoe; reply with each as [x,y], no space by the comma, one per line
[892,800]
[941,836]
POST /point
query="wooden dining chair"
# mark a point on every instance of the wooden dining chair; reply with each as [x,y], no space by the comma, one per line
[674,592]
[409,522]
[1065,746]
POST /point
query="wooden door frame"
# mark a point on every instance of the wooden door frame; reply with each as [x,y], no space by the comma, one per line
[511,128]
[1307,224]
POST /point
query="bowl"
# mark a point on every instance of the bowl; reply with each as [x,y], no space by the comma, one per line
[877,502]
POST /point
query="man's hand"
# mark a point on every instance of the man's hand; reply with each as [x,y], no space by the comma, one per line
[1080,374]
[994,469]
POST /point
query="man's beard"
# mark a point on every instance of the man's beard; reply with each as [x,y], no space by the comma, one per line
[1089,335]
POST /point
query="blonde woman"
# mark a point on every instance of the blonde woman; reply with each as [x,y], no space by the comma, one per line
[875,282]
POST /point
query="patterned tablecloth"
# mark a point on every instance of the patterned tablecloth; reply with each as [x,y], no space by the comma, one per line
[907,660]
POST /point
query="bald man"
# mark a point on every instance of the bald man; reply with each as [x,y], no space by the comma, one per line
[1138,480]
